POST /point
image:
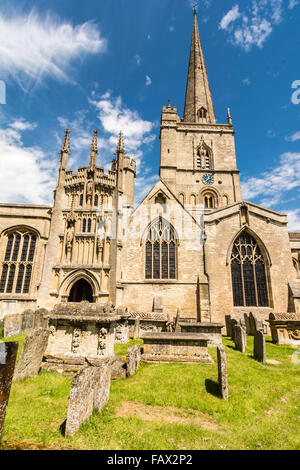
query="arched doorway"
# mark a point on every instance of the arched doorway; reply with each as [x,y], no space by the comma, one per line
[81,290]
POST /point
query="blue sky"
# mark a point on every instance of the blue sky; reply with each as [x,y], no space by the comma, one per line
[114,64]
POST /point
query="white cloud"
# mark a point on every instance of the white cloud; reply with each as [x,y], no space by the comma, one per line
[149,36]
[293,3]
[148,80]
[27,175]
[294,137]
[32,47]
[252,26]
[294,219]
[246,81]
[115,117]
[171,29]
[138,59]
[230,17]
[269,188]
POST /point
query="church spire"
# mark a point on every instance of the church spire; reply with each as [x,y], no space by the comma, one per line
[94,150]
[198,101]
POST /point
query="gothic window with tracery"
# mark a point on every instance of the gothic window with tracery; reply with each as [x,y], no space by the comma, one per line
[161,251]
[204,160]
[18,262]
[248,272]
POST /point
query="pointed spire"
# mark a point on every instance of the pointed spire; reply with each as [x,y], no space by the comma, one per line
[65,151]
[198,101]
[66,145]
[120,147]
[94,150]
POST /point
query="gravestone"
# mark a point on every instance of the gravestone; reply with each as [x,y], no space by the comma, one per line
[12,325]
[8,356]
[222,372]
[243,324]
[252,324]
[27,321]
[233,323]
[228,325]
[259,346]
[31,357]
[240,338]
[136,331]
[247,323]
[89,390]
[158,304]
[133,359]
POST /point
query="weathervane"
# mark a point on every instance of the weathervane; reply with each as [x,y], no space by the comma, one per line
[195,6]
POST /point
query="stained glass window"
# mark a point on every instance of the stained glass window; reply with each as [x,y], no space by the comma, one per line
[248,273]
[161,251]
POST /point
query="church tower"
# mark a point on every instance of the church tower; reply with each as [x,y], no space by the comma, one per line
[198,159]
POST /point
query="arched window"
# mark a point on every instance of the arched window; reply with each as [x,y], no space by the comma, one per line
[81,199]
[202,113]
[161,251]
[17,263]
[204,156]
[89,226]
[96,199]
[209,200]
[84,225]
[249,281]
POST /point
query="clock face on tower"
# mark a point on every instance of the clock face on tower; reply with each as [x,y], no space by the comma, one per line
[208,179]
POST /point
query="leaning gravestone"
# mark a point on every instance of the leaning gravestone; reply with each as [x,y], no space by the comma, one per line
[8,356]
[240,338]
[31,357]
[222,372]
[259,346]
[89,390]
[133,359]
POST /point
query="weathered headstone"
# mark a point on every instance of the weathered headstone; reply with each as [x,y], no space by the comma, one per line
[247,323]
[242,323]
[259,346]
[240,338]
[121,332]
[228,325]
[233,323]
[136,331]
[133,359]
[8,356]
[12,325]
[158,304]
[252,324]
[27,321]
[118,368]
[89,390]
[31,357]
[222,372]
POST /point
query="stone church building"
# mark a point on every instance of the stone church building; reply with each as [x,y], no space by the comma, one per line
[193,243]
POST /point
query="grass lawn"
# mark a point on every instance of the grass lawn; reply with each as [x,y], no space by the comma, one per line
[168,407]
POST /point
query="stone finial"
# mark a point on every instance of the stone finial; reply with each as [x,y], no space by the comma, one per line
[229,118]
[66,144]
[169,103]
[120,147]
[94,150]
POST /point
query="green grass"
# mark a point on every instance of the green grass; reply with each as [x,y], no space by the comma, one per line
[262,412]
